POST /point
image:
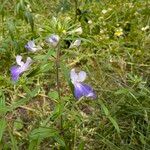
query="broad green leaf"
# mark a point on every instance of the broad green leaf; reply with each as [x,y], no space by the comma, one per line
[53,95]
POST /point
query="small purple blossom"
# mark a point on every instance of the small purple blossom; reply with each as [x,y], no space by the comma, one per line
[21,67]
[32,47]
[53,40]
[81,89]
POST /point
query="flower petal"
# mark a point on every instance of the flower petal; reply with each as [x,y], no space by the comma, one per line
[73,76]
[26,65]
[77,77]
[18,60]
[81,89]
[31,44]
[81,76]
[53,40]
[32,47]
[15,72]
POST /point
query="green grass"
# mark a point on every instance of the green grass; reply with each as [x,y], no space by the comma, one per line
[115,53]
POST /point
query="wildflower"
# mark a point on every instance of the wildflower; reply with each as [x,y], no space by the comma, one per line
[21,67]
[32,47]
[78,31]
[90,22]
[119,32]
[76,43]
[53,40]
[81,89]
[145,28]
[29,8]
[104,11]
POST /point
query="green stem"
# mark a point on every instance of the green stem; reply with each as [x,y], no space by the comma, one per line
[58,84]
[76,7]
[57,72]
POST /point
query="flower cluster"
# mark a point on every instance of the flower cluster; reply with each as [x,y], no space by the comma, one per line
[21,67]
[80,89]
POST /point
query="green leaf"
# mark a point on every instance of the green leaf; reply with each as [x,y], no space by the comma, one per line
[113,121]
[43,68]
[66,74]
[107,113]
[42,133]
[18,124]
[11,28]
[34,72]
[13,141]
[33,145]
[33,92]
[59,140]
[53,95]
[2,127]
[142,138]
[29,19]
[122,91]
[54,115]
[2,7]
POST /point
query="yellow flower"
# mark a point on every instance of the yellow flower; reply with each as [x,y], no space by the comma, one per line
[119,32]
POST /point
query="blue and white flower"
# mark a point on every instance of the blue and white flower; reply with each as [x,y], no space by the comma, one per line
[53,40]
[21,67]
[81,89]
[76,43]
[32,47]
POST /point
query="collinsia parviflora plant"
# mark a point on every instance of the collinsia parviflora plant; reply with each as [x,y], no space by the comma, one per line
[32,47]
[21,67]
[102,54]
[81,89]
[53,40]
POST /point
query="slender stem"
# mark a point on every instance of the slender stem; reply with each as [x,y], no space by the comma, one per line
[76,7]
[58,84]
[57,72]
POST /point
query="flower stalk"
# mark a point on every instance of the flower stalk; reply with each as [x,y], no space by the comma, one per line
[58,84]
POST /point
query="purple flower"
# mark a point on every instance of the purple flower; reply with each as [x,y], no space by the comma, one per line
[18,69]
[81,89]
[53,40]
[32,47]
